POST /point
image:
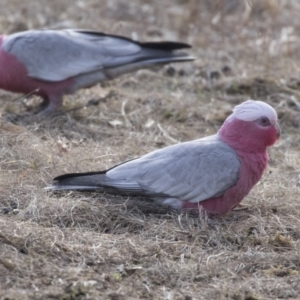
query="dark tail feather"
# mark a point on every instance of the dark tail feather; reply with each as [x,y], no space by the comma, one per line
[165,46]
[153,52]
[91,181]
[163,52]
[94,181]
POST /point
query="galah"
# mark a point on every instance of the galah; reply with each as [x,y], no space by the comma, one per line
[51,63]
[213,173]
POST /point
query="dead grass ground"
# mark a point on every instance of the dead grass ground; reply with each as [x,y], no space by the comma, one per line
[82,246]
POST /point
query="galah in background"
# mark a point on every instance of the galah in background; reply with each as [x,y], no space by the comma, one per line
[214,173]
[57,62]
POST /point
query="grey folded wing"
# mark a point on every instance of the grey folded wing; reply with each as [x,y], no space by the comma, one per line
[55,55]
[192,171]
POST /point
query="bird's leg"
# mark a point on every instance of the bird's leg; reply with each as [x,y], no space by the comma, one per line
[44,103]
[51,106]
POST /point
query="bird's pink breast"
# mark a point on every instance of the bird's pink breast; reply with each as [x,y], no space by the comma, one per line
[249,144]
[252,168]
[14,78]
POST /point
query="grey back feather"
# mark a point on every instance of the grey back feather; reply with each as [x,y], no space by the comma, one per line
[192,171]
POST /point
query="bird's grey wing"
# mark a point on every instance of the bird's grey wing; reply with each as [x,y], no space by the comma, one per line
[192,171]
[55,55]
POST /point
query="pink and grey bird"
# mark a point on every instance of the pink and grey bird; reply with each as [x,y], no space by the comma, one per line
[57,62]
[215,172]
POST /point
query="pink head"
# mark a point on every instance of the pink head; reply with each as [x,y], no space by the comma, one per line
[252,127]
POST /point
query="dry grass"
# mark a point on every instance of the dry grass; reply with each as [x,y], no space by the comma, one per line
[82,246]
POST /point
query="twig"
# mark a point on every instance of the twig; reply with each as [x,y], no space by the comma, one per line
[165,134]
[128,123]
[26,96]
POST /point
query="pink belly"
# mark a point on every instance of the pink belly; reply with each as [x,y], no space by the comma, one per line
[216,206]
[14,78]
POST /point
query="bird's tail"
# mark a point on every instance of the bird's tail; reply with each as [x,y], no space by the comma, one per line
[164,52]
[153,53]
[91,181]
[94,181]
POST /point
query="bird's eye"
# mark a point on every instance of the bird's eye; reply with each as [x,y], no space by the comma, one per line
[264,121]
